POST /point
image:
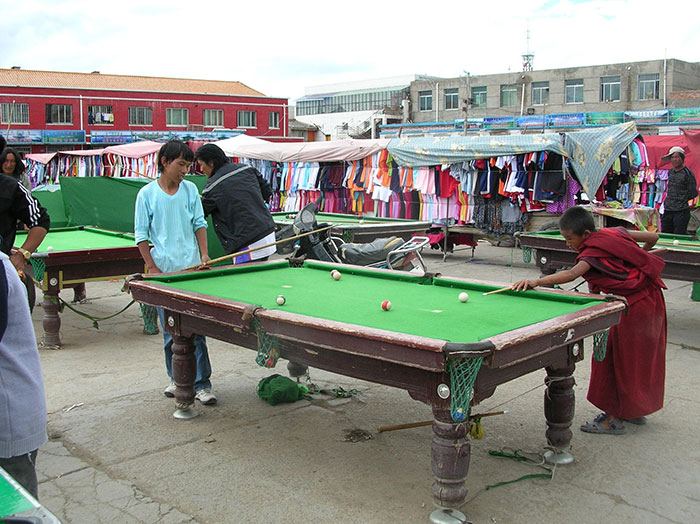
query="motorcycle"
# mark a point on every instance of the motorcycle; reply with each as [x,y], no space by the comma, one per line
[388,253]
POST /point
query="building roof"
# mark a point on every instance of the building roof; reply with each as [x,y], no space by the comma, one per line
[96,80]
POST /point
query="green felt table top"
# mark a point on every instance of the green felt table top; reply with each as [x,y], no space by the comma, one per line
[665,240]
[12,501]
[77,238]
[419,306]
[341,219]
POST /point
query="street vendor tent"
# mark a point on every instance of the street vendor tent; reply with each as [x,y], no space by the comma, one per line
[333,151]
[658,146]
[590,152]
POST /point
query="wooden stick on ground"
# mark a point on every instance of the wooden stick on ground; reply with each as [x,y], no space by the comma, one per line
[382,429]
[234,255]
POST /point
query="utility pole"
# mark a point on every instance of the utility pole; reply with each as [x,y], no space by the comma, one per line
[467,103]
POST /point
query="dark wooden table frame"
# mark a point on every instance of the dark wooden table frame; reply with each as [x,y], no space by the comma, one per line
[552,254]
[415,364]
[65,269]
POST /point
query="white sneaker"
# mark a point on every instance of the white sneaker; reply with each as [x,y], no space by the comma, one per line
[205,396]
[170,390]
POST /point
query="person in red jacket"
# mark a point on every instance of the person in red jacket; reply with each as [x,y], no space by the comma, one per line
[628,383]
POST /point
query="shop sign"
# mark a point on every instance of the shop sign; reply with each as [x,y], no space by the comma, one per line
[63,136]
[605,119]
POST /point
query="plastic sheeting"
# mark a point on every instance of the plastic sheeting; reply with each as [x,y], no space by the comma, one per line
[592,153]
[441,150]
[658,146]
[333,151]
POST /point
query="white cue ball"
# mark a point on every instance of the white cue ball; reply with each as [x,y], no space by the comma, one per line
[281,300]
[676,242]
[335,274]
[463,297]
[50,248]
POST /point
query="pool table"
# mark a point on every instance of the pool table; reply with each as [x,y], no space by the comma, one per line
[71,256]
[424,339]
[17,505]
[552,253]
[360,229]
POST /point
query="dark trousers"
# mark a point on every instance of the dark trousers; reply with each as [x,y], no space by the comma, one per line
[675,222]
[23,471]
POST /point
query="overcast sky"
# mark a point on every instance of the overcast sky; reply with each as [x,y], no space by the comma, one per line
[281,47]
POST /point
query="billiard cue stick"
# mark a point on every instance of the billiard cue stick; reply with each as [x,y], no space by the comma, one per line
[382,429]
[680,244]
[234,255]
[501,290]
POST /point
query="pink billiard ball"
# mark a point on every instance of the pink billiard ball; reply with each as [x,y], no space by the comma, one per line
[386,305]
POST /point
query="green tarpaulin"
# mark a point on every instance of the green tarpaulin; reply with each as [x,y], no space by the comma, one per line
[51,197]
[109,203]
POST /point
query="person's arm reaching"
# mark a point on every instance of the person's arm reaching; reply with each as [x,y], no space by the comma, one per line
[28,209]
[650,239]
[561,277]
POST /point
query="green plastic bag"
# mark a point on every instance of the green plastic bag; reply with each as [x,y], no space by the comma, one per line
[276,389]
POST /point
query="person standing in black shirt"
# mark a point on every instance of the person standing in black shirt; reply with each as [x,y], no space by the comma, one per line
[682,187]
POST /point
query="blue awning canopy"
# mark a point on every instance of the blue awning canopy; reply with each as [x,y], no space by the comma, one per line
[591,152]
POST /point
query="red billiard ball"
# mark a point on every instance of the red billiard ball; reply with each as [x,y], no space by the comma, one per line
[386,305]
[335,274]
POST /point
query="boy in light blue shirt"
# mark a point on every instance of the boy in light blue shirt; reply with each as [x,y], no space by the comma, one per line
[169,213]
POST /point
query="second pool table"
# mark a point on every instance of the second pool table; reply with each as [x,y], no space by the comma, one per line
[551,253]
[74,255]
[422,344]
[360,229]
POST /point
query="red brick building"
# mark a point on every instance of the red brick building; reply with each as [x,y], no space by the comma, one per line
[43,111]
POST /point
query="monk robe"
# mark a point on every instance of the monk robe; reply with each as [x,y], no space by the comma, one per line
[629,382]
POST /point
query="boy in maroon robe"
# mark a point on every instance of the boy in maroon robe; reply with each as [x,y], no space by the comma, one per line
[629,382]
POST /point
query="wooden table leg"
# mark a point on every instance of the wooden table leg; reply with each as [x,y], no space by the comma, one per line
[296,370]
[184,366]
[559,404]
[450,452]
[51,321]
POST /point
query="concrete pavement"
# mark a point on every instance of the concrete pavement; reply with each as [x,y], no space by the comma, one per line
[117,455]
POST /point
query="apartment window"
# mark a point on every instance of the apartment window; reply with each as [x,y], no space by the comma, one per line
[452,98]
[247,119]
[609,88]
[213,118]
[177,116]
[59,114]
[274,122]
[540,93]
[573,91]
[479,96]
[425,100]
[100,115]
[648,86]
[14,113]
[140,116]
[509,95]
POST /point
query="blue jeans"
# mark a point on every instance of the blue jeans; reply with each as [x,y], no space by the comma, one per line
[201,354]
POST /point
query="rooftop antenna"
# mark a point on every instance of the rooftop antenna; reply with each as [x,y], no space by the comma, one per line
[528,56]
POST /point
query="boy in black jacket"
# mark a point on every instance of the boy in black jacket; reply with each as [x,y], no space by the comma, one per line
[234,196]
